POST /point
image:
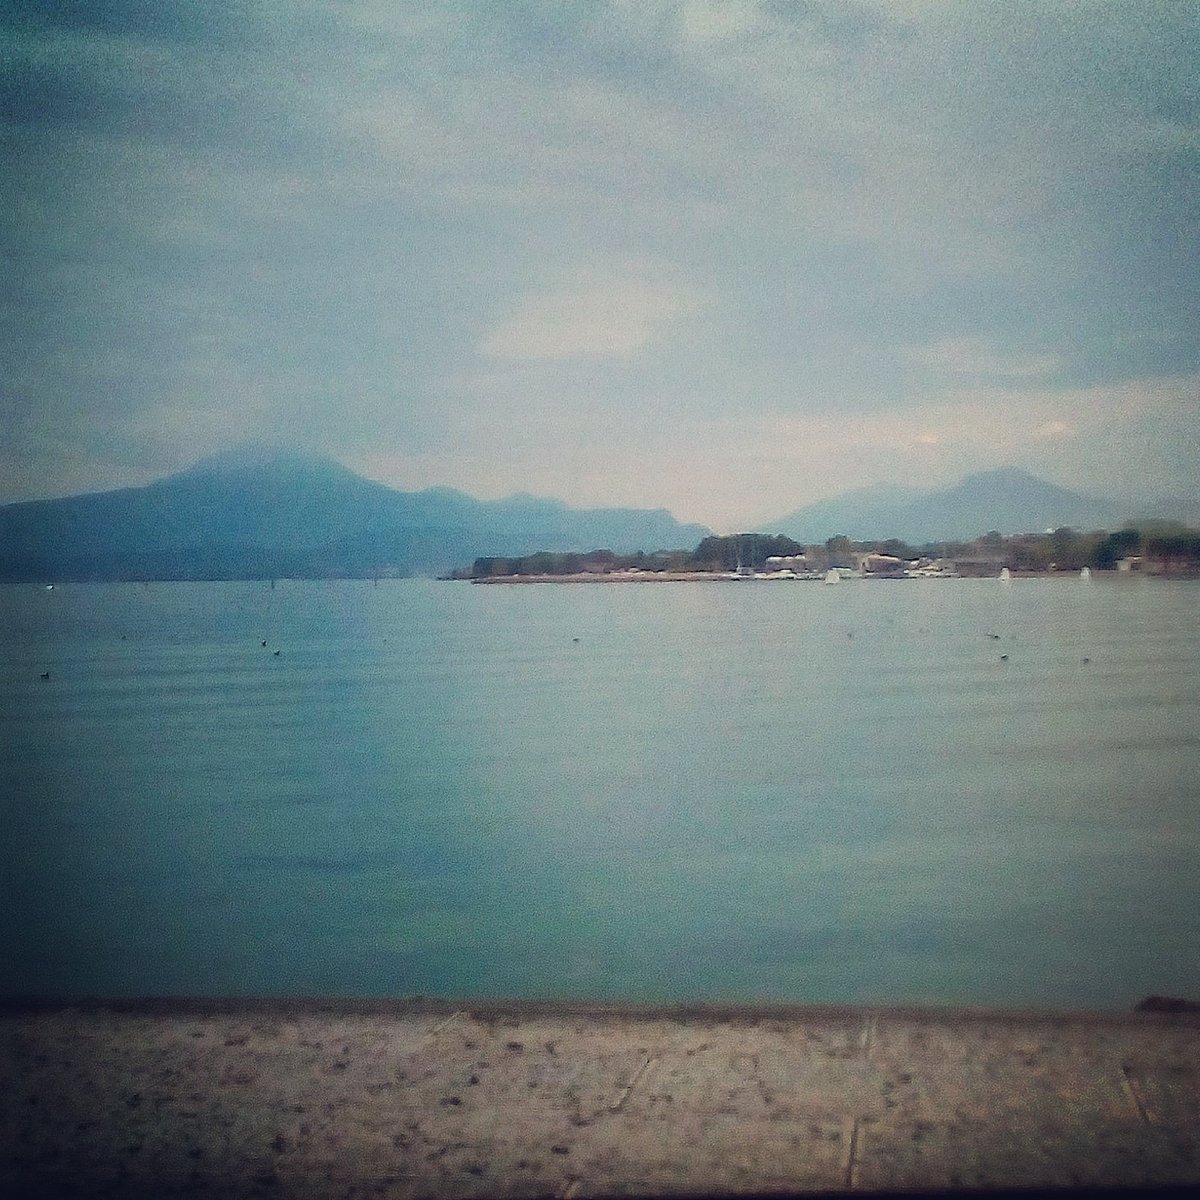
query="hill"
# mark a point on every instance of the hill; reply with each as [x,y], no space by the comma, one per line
[254,513]
[1009,500]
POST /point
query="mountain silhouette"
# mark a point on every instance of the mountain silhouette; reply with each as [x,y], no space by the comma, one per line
[259,513]
[1007,499]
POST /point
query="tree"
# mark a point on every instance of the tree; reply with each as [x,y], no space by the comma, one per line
[744,549]
[897,549]
[840,551]
[1176,551]
[1116,546]
[485,567]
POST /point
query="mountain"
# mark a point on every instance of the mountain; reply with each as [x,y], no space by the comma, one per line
[255,513]
[1173,506]
[868,508]
[1008,499]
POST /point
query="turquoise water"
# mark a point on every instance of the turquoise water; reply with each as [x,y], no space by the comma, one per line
[721,791]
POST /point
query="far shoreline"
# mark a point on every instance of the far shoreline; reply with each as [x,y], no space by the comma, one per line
[1148,1008]
[608,577]
[726,577]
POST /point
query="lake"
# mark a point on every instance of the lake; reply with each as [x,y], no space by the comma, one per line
[650,792]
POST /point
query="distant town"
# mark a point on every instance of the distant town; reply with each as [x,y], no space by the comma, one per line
[1151,548]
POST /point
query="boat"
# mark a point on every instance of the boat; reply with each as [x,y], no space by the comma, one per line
[1005,575]
[1086,573]
[833,575]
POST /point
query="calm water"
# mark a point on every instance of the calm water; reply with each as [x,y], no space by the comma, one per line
[719,791]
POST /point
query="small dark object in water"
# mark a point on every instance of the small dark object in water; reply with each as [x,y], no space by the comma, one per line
[574,639]
[264,641]
[44,675]
[1167,1004]
[1004,658]
[1086,659]
[994,636]
[277,653]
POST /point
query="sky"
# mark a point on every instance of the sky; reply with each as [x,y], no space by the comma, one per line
[720,256]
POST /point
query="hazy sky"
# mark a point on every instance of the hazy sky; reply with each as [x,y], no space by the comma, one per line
[725,256]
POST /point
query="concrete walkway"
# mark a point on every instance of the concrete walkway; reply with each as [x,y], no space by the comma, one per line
[410,1099]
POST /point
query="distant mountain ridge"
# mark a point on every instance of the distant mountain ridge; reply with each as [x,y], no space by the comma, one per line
[1008,499]
[258,513]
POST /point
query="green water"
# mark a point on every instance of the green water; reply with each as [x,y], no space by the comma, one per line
[720,791]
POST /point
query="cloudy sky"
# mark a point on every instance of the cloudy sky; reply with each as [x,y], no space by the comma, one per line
[725,256]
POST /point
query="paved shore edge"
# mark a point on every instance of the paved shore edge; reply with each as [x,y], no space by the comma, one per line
[493,1006]
[407,1097]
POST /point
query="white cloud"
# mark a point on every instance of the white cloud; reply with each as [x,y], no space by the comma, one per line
[593,316]
[979,357]
[706,21]
[1053,430]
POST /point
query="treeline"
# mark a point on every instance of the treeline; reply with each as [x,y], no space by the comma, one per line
[741,550]
[712,554]
[596,562]
[1168,544]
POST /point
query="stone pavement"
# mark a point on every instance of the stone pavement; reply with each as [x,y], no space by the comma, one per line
[400,1099]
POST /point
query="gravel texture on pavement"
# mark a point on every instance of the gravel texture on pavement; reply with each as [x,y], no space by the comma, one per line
[414,1098]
